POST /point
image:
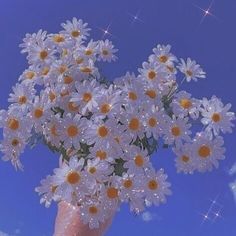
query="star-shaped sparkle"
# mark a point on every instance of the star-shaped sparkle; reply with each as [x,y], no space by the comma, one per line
[135,17]
[106,31]
[206,12]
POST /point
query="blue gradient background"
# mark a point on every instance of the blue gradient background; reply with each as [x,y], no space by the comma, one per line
[176,22]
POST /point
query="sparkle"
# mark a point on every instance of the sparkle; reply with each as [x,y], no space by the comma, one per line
[213,212]
[206,12]
[135,18]
[106,31]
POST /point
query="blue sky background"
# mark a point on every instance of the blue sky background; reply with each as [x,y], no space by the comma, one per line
[175,22]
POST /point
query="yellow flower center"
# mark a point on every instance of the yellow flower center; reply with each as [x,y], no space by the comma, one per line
[87,97]
[15,142]
[128,183]
[139,161]
[38,112]
[93,210]
[133,96]
[88,52]
[52,96]
[68,79]
[152,74]
[176,131]
[30,74]
[204,151]
[43,54]
[72,106]
[22,100]
[13,124]
[151,93]
[216,117]
[152,122]
[45,71]
[185,159]
[102,155]
[134,124]
[72,131]
[102,131]
[163,59]
[185,103]
[75,33]
[86,70]
[189,73]
[112,192]
[105,108]
[92,170]
[58,38]
[153,185]
[105,52]
[73,177]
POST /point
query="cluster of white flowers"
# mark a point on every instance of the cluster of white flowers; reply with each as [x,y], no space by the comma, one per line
[104,130]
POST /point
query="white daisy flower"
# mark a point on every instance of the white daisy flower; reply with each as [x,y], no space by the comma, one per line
[162,55]
[72,131]
[41,54]
[152,122]
[104,153]
[216,116]
[183,104]
[176,130]
[31,40]
[191,69]
[156,187]
[11,147]
[99,170]
[108,102]
[89,51]
[22,95]
[71,181]
[137,160]
[15,122]
[86,95]
[47,191]
[184,161]
[75,29]
[207,152]
[153,73]
[93,212]
[106,51]
[132,119]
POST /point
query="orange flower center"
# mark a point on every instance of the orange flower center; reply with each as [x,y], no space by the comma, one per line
[134,124]
[105,108]
[152,74]
[58,38]
[87,97]
[72,131]
[151,93]
[75,33]
[163,59]
[72,106]
[73,177]
[30,74]
[38,112]
[185,103]
[93,210]
[102,155]
[22,100]
[13,124]
[189,73]
[112,192]
[152,122]
[216,117]
[185,159]
[92,170]
[133,96]
[15,142]
[204,151]
[128,183]
[102,131]
[43,54]
[176,131]
[139,161]
[152,184]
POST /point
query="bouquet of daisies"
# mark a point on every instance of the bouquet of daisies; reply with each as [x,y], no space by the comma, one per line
[105,131]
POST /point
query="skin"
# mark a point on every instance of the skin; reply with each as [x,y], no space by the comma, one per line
[68,216]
